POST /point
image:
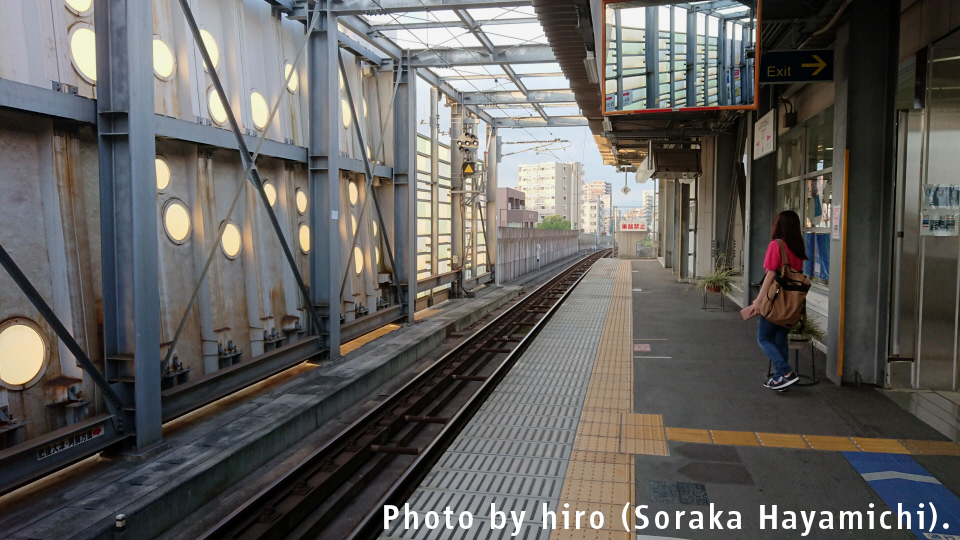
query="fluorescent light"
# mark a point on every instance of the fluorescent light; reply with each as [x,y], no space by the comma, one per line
[734,9]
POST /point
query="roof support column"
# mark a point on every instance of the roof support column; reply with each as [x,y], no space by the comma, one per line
[324,179]
[651,50]
[434,179]
[456,191]
[405,187]
[128,212]
[490,212]
[691,100]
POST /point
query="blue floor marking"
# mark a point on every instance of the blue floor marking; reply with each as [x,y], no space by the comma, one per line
[899,480]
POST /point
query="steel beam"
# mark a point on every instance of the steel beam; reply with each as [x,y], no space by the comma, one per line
[128,210]
[356,165]
[533,122]
[405,188]
[368,323]
[519,98]
[487,76]
[453,24]
[479,56]
[438,280]
[183,130]
[452,93]
[361,50]
[376,7]
[196,393]
[324,179]
[367,31]
[487,44]
[37,100]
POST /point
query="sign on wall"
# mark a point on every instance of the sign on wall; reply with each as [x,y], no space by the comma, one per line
[782,67]
[642,227]
[765,135]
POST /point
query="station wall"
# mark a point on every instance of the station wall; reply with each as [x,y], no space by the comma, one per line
[249,302]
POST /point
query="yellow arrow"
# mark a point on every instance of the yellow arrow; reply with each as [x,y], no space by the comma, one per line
[819,65]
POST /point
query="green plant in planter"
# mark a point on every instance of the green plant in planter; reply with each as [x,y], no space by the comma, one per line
[807,332]
[717,281]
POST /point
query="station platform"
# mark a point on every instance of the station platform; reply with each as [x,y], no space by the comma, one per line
[632,396]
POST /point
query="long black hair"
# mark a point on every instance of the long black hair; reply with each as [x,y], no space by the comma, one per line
[787,228]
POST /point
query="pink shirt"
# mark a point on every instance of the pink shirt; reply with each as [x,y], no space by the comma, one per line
[772,261]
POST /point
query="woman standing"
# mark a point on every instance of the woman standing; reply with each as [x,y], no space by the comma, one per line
[773,338]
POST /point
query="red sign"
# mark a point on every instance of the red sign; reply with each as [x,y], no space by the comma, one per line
[633,226]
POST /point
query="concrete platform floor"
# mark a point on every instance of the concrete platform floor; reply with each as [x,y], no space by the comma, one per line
[634,396]
[703,370]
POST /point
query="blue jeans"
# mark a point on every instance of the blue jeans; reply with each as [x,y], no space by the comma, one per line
[773,341]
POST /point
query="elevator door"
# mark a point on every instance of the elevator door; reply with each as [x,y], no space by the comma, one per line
[927,250]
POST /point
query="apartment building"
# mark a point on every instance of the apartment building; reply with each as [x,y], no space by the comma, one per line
[597,207]
[554,188]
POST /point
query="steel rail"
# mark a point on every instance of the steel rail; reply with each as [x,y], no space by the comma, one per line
[348,462]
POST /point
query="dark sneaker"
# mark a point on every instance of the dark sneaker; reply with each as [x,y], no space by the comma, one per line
[780,383]
[773,380]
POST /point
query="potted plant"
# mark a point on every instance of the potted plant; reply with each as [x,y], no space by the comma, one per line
[718,280]
[802,334]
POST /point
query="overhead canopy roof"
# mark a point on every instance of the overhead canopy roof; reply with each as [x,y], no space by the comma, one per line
[493,52]
[571,28]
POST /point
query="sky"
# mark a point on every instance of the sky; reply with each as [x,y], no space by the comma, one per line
[581,147]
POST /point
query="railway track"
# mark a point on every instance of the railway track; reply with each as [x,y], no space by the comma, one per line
[339,490]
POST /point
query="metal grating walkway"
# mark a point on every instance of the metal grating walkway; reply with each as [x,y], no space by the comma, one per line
[516,450]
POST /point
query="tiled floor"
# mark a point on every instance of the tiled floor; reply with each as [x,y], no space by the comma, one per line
[517,450]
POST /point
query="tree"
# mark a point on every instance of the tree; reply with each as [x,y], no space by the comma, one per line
[554,222]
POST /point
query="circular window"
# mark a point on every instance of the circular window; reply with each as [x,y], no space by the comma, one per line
[212,49]
[259,110]
[176,221]
[163,173]
[217,111]
[303,235]
[779,157]
[374,228]
[80,7]
[301,202]
[354,193]
[376,252]
[294,81]
[353,222]
[163,62]
[364,107]
[231,242]
[369,153]
[271,193]
[23,353]
[345,112]
[358,259]
[83,51]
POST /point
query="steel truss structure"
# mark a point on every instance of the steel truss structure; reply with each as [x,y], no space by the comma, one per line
[433,218]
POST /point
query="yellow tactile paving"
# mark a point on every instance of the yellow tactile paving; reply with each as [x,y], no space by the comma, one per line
[835,444]
[597,444]
[597,492]
[598,472]
[589,534]
[883,446]
[599,430]
[932,448]
[647,447]
[643,420]
[782,440]
[735,438]
[652,433]
[600,416]
[701,436]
